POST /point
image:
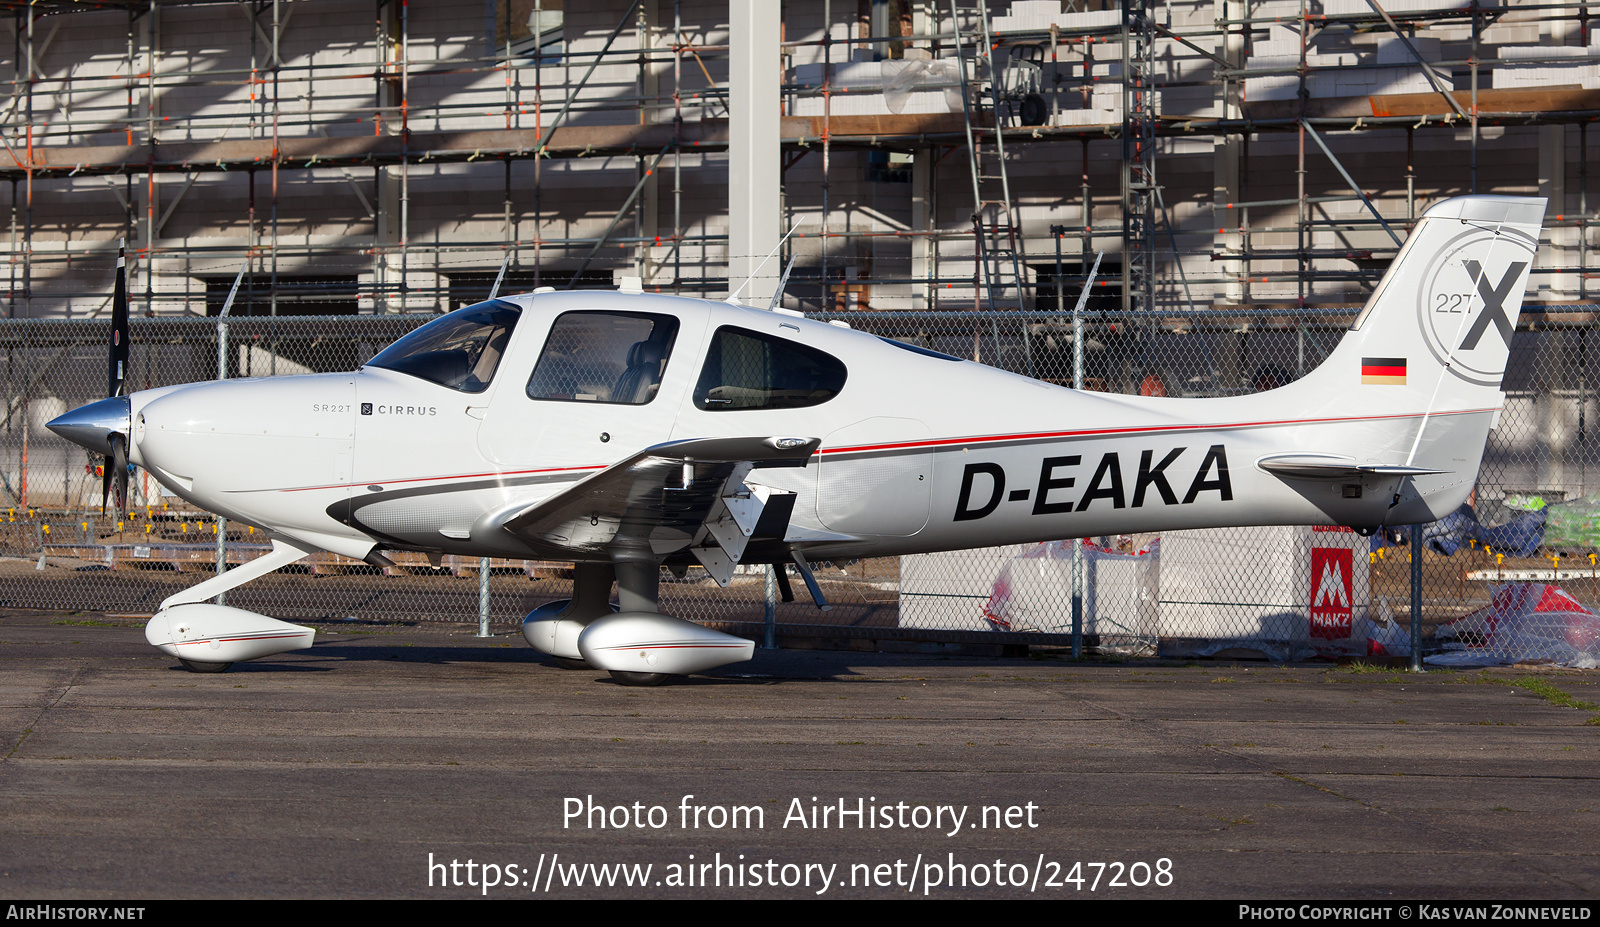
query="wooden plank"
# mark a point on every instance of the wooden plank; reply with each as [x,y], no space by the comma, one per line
[1559,99]
[568,141]
[810,127]
[368,149]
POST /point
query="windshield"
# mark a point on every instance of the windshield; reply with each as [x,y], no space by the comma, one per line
[460,350]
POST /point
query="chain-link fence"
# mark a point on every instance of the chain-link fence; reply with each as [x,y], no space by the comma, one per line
[1261,590]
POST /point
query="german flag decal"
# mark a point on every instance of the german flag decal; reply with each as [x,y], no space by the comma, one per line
[1383,371]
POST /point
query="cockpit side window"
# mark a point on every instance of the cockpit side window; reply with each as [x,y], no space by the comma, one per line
[460,350]
[749,370]
[610,357]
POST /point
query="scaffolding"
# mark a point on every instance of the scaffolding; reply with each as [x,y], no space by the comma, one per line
[527,117]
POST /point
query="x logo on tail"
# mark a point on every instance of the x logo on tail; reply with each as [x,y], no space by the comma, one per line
[1493,304]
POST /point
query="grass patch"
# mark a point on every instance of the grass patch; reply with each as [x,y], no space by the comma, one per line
[87,623]
[1360,667]
[1552,695]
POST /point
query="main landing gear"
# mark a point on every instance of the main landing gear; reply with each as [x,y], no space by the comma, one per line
[632,641]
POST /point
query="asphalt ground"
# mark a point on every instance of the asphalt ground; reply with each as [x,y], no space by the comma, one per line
[383,760]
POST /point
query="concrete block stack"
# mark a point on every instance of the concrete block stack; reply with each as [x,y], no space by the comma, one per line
[1040,15]
[1105,98]
[1519,69]
[1345,72]
[1395,8]
[857,90]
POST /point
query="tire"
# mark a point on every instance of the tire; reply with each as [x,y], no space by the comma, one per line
[1035,111]
[638,679]
[567,663]
[195,666]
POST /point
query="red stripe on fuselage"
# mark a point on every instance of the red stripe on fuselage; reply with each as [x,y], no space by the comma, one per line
[949,442]
[1140,429]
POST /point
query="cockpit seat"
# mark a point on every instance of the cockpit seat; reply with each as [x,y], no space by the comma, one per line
[641,379]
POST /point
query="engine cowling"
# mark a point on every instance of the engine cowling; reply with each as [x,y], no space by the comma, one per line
[205,633]
[646,642]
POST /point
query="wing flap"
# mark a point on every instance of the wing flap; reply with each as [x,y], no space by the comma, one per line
[667,497]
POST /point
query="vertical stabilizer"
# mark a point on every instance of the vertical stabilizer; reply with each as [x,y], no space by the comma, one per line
[1429,350]
[1436,333]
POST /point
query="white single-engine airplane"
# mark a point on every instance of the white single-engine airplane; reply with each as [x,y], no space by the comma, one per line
[627,431]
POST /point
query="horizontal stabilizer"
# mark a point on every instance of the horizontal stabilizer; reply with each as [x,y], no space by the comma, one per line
[1332,467]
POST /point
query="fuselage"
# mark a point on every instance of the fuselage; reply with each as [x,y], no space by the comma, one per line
[920,451]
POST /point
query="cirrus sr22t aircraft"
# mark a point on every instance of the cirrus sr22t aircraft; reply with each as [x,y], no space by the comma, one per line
[625,432]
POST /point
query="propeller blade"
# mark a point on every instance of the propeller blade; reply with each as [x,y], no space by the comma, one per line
[117,375]
[119,457]
[105,482]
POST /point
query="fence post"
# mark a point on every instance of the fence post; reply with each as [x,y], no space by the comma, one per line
[222,374]
[222,555]
[771,609]
[483,597]
[1416,598]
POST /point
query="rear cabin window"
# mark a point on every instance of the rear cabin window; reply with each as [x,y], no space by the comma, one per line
[607,357]
[749,370]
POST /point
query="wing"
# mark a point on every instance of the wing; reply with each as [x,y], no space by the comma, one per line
[682,495]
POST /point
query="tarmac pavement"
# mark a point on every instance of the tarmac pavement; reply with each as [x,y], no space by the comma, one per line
[378,763]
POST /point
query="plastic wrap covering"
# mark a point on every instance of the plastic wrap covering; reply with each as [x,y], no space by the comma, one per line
[1524,623]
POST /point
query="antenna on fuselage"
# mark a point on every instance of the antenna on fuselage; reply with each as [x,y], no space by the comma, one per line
[495,290]
[734,296]
[783,283]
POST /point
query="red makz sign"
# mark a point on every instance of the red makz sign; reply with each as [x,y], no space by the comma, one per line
[1331,592]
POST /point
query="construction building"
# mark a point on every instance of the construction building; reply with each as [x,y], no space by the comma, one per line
[379,157]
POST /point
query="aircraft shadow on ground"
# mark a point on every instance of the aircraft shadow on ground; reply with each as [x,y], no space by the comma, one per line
[769,668]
